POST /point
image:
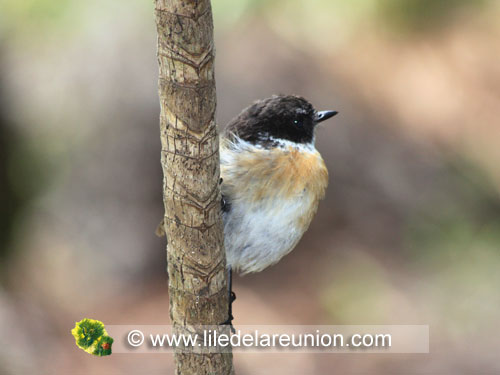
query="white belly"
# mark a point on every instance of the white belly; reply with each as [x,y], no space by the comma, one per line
[258,235]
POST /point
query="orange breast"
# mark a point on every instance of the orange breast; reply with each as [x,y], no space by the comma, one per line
[284,173]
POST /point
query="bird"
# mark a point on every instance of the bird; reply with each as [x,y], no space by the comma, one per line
[272,179]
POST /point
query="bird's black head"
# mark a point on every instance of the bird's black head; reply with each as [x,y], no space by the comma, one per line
[284,117]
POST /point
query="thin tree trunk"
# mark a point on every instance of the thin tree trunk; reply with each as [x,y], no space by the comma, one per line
[190,162]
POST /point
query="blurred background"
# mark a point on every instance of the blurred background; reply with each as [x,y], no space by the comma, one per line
[409,232]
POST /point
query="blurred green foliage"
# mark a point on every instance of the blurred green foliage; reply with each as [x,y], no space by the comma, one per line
[423,15]
[360,287]
[297,16]
[457,220]
[29,16]
[9,202]
[398,15]
[23,176]
[454,246]
[30,168]
[27,168]
[307,17]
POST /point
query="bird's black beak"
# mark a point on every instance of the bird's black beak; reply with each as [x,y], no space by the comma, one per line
[323,115]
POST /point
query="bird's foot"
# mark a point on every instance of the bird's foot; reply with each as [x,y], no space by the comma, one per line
[232,297]
[230,317]
[229,322]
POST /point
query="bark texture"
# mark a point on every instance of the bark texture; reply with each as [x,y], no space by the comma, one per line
[190,162]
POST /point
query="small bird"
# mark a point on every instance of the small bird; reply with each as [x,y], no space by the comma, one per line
[272,180]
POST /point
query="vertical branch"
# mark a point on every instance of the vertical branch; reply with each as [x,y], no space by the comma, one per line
[190,162]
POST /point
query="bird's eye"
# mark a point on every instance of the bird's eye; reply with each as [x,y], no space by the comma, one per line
[296,122]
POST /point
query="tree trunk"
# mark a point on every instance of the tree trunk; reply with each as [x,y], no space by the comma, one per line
[190,162]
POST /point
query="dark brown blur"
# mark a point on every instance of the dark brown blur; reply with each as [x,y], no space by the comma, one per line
[409,232]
